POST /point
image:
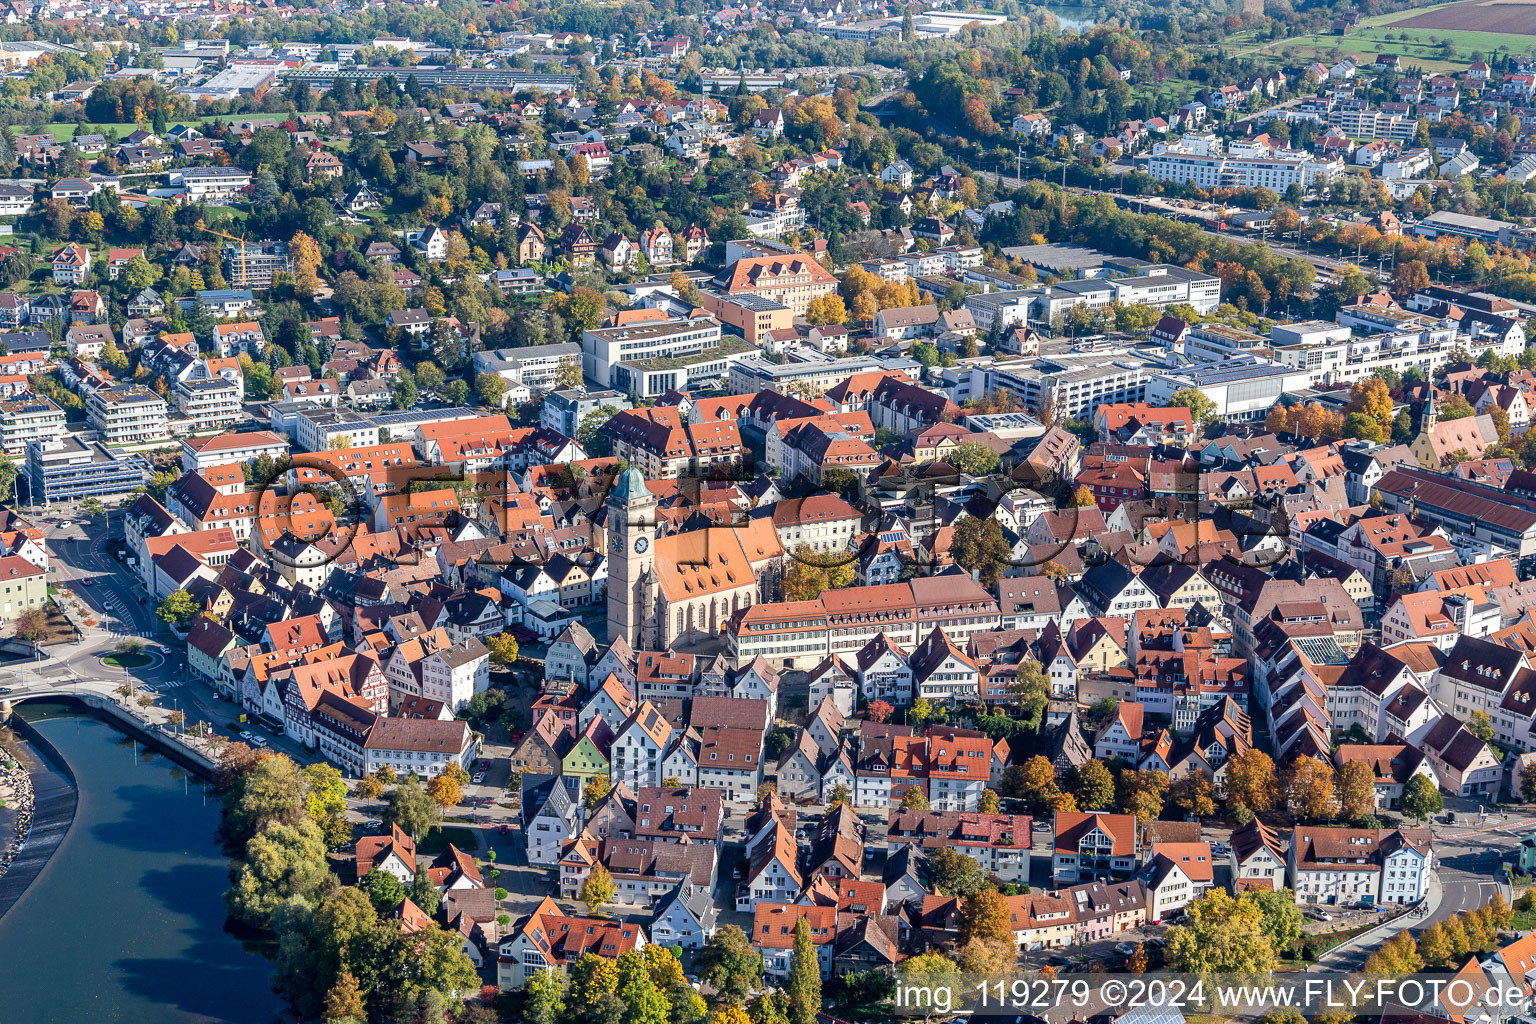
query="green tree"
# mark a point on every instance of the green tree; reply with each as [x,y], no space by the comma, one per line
[1221,935]
[412,809]
[403,391]
[730,964]
[280,861]
[644,1002]
[424,894]
[1032,691]
[492,389]
[178,609]
[384,890]
[980,546]
[1280,919]
[1092,786]
[1201,408]
[804,984]
[955,874]
[974,458]
[1422,799]
[326,801]
[544,997]
[914,799]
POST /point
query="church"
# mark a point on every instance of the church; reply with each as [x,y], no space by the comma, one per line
[667,592]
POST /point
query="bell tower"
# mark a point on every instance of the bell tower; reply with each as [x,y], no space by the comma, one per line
[631,560]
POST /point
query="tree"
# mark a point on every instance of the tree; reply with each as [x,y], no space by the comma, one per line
[32,624]
[344,1001]
[1410,278]
[492,389]
[1092,786]
[980,546]
[1194,795]
[1032,690]
[326,801]
[1034,782]
[1422,799]
[597,787]
[989,802]
[403,391]
[413,810]
[1280,918]
[1202,409]
[1222,935]
[544,997]
[445,790]
[1435,947]
[1142,793]
[1309,789]
[840,795]
[730,964]
[914,799]
[384,890]
[974,458]
[826,309]
[281,861]
[1356,788]
[955,874]
[597,891]
[1373,399]
[881,711]
[984,915]
[502,648]
[804,984]
[1083,497]
[1479,724]
[178,610]
[1251,781]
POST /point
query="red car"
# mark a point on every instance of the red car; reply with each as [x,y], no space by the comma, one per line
[87,582]
[502,830]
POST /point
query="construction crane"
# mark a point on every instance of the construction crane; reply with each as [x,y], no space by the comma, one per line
[244,278]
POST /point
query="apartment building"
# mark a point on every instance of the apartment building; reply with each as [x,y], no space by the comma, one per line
[31,418]
[208,404]
[1225,171]
[253,264]
[127,414]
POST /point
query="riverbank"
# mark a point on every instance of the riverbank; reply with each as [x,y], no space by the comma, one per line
[140,858]
[52,797]
[15,806]
[53,801]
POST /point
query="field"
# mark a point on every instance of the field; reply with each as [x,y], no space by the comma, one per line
[1419,36]
[1468,18]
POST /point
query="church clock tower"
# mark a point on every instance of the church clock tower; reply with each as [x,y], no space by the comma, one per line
[631,561]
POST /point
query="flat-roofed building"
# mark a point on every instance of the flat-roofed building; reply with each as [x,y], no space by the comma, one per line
[31,418]
[69,469]
[127,414]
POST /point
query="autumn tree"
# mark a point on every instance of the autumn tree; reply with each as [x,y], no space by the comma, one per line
[597,891]
[1142,793]
[1194,795]
[1355,784]
[1221,935]
[1309,789]
[879,711]
[1251,781]
[980,546]
[1092,786]
[1371,398]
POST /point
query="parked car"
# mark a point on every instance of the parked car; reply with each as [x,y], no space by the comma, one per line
[1125,949]
[1041,826]
[373,824]
[1323,915]
[479,778]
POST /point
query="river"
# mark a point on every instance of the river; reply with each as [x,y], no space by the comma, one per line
[125,923]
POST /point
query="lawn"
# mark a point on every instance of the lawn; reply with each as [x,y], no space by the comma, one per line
[64,132]
[437,840]
[126,660]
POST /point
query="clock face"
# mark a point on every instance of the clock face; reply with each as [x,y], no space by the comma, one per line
[640,545]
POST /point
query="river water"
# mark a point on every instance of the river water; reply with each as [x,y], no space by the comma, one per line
[125,923]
